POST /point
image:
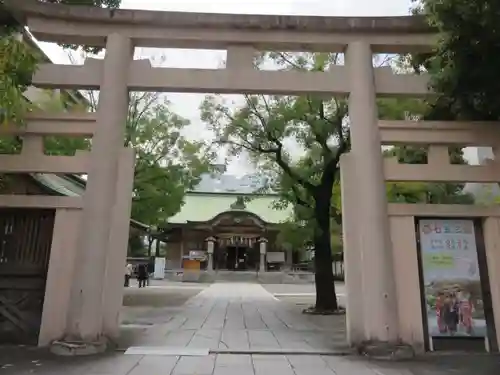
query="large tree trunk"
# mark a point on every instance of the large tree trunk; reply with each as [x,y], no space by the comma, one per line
[157,250]
[150,244]
[326,299]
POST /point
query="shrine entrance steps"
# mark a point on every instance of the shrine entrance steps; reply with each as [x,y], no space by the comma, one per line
[275,277]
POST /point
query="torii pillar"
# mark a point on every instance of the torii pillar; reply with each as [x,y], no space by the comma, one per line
[86,310]
[378,284]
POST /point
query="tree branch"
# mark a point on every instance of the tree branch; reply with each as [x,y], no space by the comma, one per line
[262,120]
[134,114]
[151,99]
[249,147]
[321,141]
[278,151]
[285,58]
[298,199]
[290,172]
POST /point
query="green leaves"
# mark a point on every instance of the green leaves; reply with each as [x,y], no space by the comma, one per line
[299,135]
[167,164]
[17,64]
[419,192]
[295,142]
[464,67]
[18,61]
[422,192]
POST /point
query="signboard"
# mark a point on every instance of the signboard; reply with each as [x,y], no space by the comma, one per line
[276,257]
[452,286]
[197,254]
[159,273]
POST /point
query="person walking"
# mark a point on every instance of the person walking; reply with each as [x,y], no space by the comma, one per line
[142,275]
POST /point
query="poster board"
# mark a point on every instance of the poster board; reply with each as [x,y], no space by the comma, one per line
[451,279]
[275,257]
[159,273]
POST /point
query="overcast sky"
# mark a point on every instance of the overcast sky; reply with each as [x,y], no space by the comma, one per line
[187,104]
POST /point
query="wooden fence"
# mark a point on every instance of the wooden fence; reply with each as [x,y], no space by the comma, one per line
[25,241]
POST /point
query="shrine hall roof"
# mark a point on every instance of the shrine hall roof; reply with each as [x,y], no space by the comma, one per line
[217,192]
[227,183]
[205,206]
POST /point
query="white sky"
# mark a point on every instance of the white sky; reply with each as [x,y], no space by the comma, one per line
[187,105]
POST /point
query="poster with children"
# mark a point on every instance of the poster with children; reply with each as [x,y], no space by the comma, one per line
[451,278]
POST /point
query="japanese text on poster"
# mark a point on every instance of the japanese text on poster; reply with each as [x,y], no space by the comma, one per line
[451,278]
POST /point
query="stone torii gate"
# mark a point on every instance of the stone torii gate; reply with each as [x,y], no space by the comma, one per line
[89,314]
[119,31]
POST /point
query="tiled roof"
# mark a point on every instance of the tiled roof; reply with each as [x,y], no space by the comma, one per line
[203,207]
[218,191]
[70,186]
[226,183]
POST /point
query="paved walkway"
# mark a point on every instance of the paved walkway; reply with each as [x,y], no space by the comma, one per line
[242,317]
[239,317]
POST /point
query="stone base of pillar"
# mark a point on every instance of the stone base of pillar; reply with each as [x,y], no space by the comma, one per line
[78,348]
[386,351]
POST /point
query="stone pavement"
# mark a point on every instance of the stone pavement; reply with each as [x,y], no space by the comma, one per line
[28,361]
[214,364]
[239,317]
[242,317]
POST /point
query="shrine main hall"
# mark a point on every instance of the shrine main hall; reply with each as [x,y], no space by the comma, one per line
[225,225]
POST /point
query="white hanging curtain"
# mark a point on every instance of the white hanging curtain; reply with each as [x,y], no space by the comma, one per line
[237,241]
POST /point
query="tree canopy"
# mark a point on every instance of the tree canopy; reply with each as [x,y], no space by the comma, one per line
[298,231]
[424,192]
[167,164]
[18,60]
[418,192]
[17,64]
[464,65]
[297,143]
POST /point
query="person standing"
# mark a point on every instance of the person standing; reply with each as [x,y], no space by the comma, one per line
[128,274]
[466,309]
[451,314]
[440,314]
[142,275]
[151,269]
